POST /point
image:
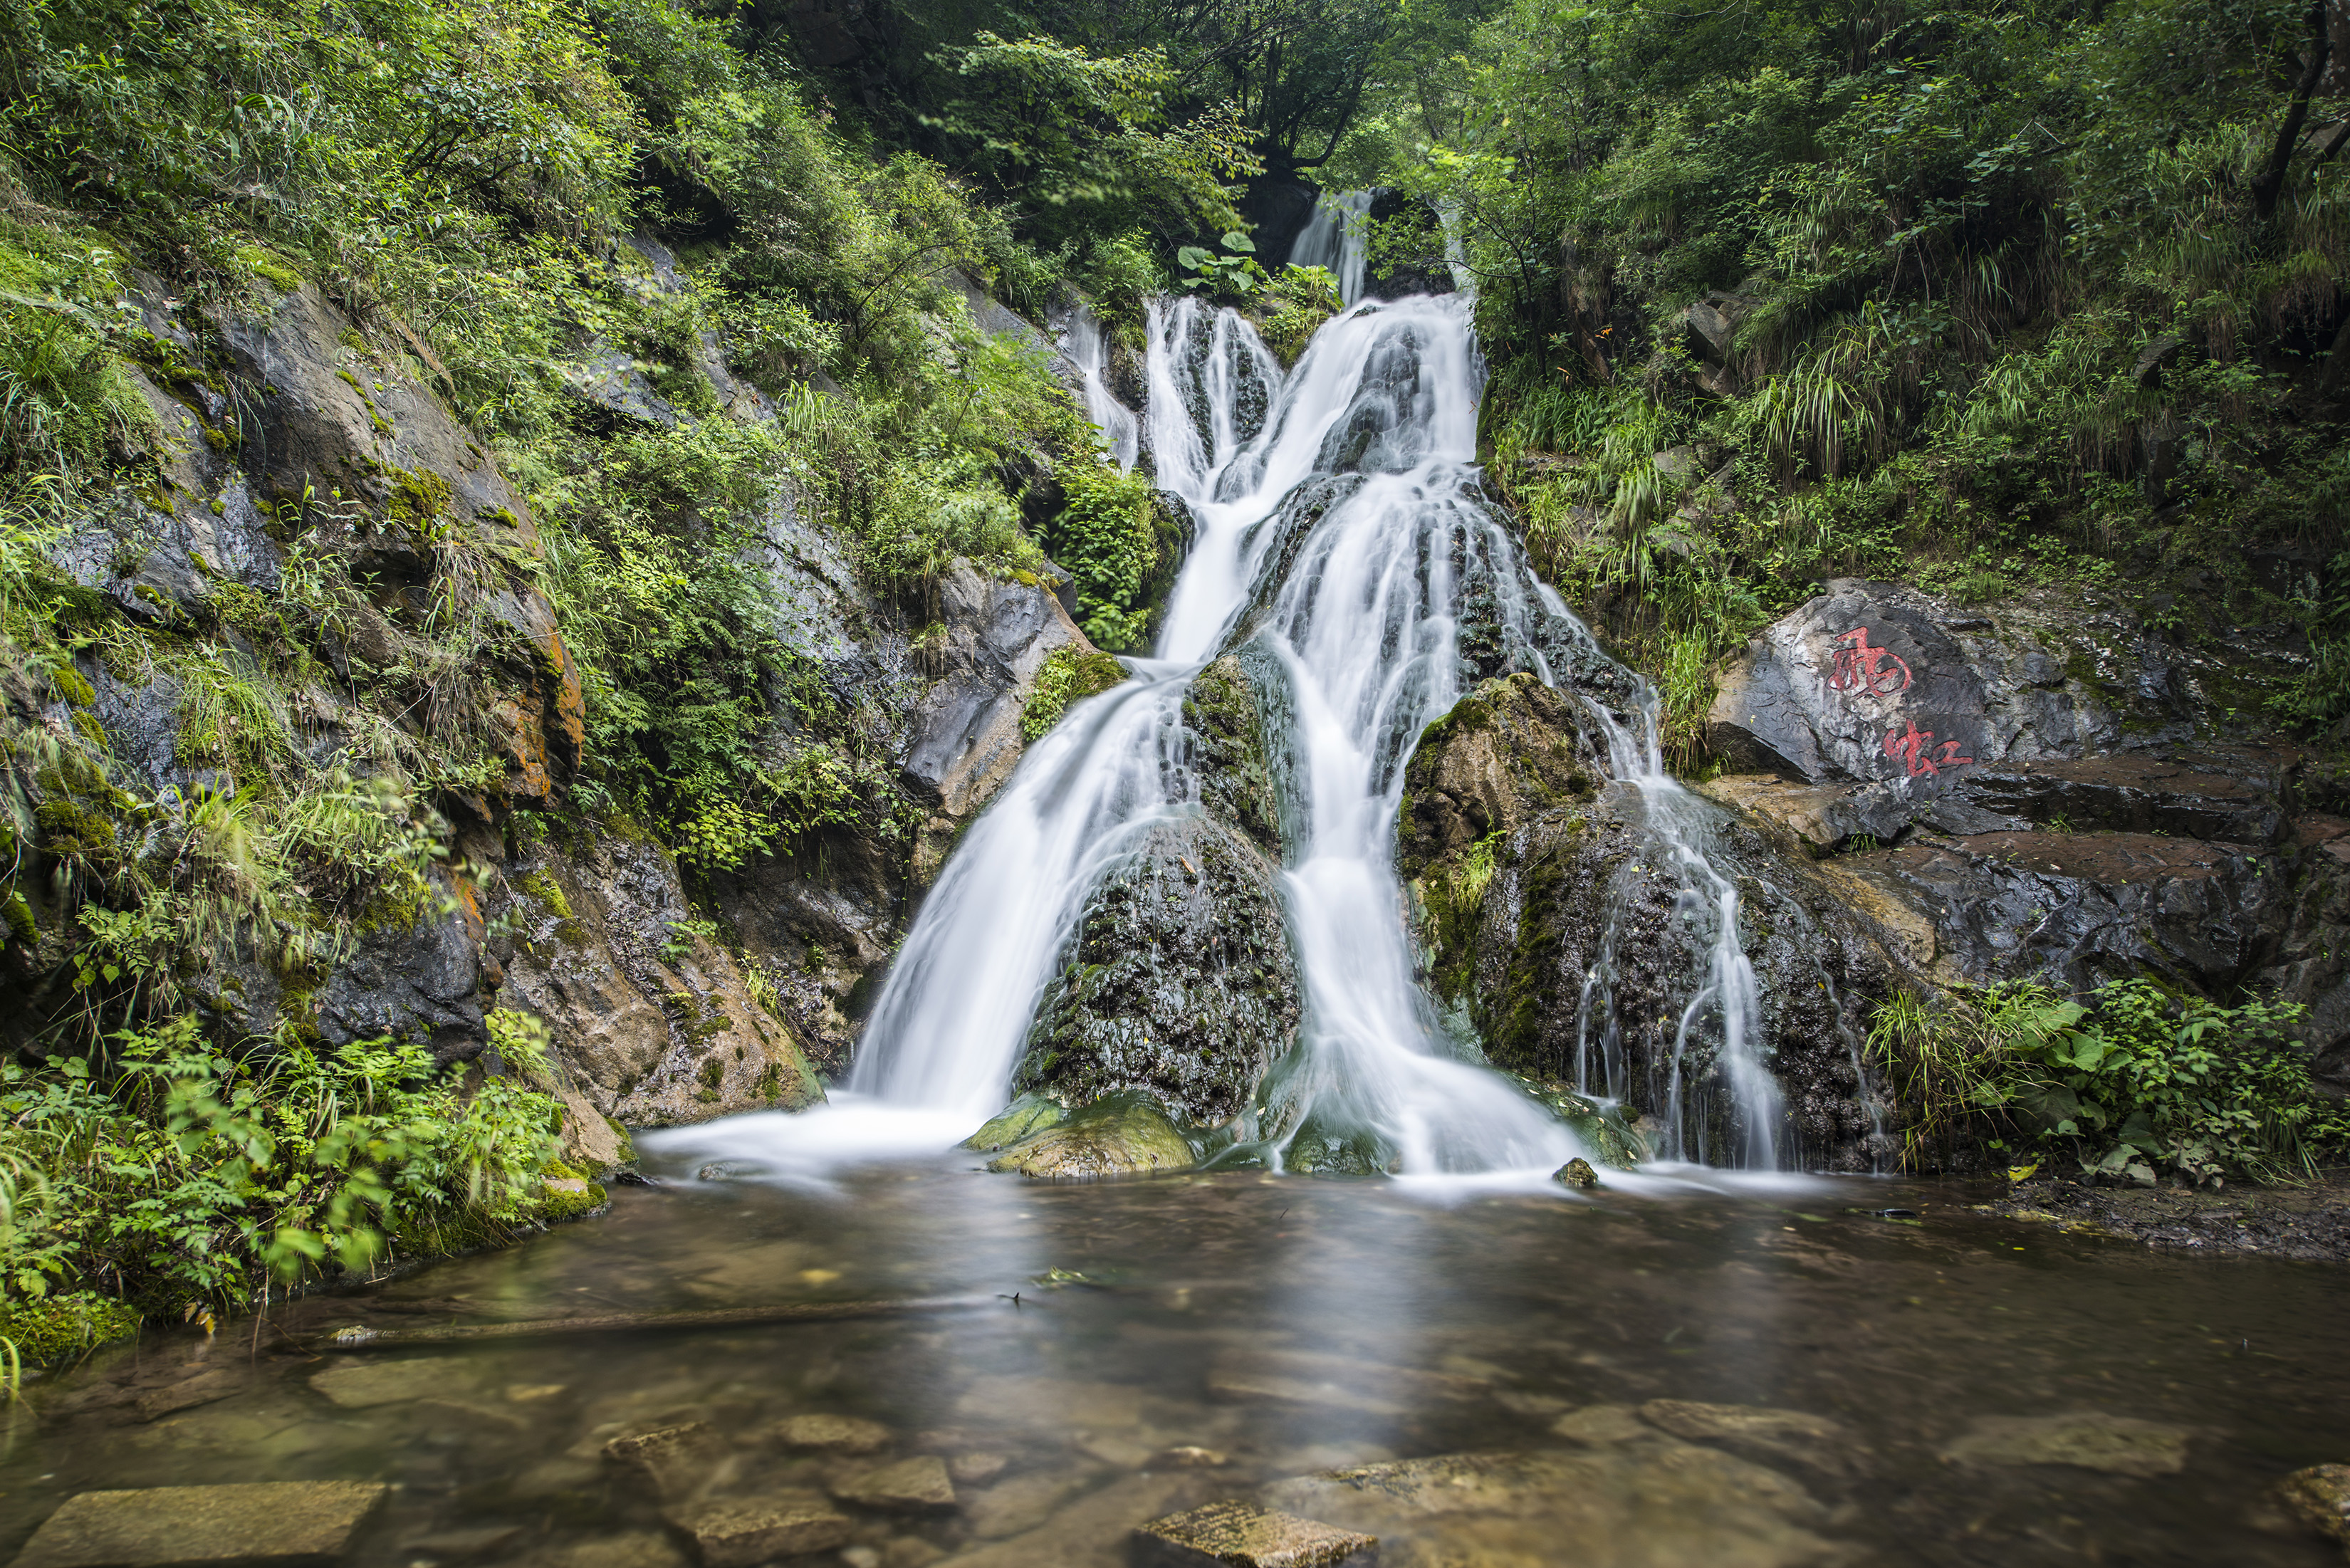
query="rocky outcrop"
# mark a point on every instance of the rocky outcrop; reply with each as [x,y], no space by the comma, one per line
[965,736]
[655,1021]
[2041,790]
[1181,981]
[1551,915]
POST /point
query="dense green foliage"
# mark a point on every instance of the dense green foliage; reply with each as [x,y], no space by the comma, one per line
[2134,1084]
[2009,293]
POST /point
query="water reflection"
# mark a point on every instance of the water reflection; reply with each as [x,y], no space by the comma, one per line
[1685,1373]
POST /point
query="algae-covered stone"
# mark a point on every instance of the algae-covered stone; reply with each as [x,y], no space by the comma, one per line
[1118,1135]
[1661,1504]
[2088,1439]
[1576,1172]
[736,1532]
[1181,984]
[674,1460]
[1243,1535]
[918,1485]
[264,1522]
[2319,1497]
[1023,1118]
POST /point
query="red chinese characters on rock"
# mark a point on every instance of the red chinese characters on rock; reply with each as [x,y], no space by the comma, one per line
[1861,668]
[1909,745]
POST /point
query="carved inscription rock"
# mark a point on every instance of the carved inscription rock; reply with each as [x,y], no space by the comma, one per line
[1878,684]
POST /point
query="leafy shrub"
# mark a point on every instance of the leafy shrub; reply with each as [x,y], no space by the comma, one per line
[1111,538]
[2134,1083]
[1066,676]
[176,1174]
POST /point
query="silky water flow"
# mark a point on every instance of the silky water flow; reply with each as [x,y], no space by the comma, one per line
[1341,530]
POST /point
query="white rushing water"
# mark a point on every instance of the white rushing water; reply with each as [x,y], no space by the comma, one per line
[1342,532]
[1333,238]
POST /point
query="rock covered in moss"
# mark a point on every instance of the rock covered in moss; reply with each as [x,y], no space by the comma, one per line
[1023,1118]
[2319,1497]
[1181,981]
[51,1328]
[1122,1134]
[1531,872]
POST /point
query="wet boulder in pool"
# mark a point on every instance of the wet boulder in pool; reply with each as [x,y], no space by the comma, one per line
[1532,873]
[1023,1118]
[672,1461]
[918,1485]
[2319,1497]
[1661,1504]
[269,1522]
[825,1433]
[1243,1535]
[1181,981]
[1118,1135]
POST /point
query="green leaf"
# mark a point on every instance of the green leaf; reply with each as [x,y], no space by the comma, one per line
[1191,259]
[1236,241]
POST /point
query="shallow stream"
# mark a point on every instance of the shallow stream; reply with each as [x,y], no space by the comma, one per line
[1232,1331]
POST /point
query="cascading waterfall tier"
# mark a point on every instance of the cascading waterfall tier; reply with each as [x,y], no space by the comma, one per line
[1343,538]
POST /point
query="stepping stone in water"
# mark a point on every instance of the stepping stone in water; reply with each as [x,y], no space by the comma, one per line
[736,1532]
[374,1383]
[1243,1535]
[909,1486]
[2090,1439]
[2319,1497]
[831,1434]
[267,1523]
[674,1459]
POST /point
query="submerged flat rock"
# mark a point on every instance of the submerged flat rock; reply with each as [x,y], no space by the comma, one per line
[911,1485]
[263,1522]
[2087,1439]
[736,1532]
[1243,1535]
[831,1434]
[1661,1504]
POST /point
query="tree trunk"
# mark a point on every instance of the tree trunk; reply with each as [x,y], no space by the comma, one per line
[2271,185]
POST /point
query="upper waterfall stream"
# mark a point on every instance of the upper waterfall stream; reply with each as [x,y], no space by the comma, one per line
[1342,537]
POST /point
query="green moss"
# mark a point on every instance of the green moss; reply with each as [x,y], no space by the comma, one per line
[560,1204]
[269,267]
[72,686]
[541,884]
[71,826]
[1066,676]
[54,1328]
[420,499]
[16,917]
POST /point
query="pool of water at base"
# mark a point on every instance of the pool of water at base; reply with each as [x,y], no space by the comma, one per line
[1124,1350]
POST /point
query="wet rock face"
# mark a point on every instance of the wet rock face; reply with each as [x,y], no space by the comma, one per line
[655,1022]
[964,736]
[1181,981]
[1872,682]
[1547,914]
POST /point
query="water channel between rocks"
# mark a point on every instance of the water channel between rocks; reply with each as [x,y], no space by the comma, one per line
[1232,1331]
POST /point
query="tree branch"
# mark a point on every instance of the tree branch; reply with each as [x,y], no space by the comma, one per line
[2271,184]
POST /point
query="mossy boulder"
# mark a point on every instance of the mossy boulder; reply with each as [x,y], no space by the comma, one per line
[1124,1134]
[1022,1118]
[52,1328]
[1532,873]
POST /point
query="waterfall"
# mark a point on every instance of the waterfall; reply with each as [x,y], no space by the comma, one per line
[1081,345]
[1343,538]
[1333,238]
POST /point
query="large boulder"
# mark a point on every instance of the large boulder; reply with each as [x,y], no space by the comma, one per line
[1551,913]
[1181,981]
[966,735]
[652,1021]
